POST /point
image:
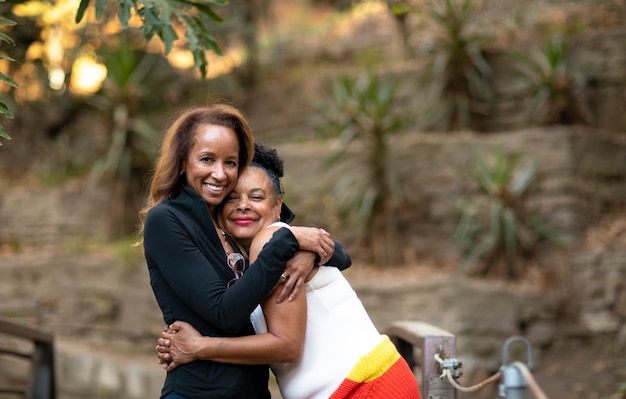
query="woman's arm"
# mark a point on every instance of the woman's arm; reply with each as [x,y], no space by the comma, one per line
[286,324]
[330,252]
[189,273]
[310,240]
[314,240]
[341,258]
[283,343]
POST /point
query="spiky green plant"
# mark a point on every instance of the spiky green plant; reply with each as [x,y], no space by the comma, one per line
[558,88]
[459,73]
[364,188]
[497,233]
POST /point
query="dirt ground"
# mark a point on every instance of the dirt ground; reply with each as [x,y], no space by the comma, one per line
[592,367]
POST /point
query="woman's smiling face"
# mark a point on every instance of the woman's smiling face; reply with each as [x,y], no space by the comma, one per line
[251,206]
[211,167]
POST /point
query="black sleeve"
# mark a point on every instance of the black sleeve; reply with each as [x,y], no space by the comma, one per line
[341,258]
[262,275]
[187,285]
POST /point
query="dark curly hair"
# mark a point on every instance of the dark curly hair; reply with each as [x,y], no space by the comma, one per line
[267,159]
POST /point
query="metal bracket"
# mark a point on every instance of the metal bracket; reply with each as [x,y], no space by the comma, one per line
[514,384]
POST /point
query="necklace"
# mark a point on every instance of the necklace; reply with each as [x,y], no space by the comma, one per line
[225,243]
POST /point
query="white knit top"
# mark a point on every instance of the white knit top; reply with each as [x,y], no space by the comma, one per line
[338,332]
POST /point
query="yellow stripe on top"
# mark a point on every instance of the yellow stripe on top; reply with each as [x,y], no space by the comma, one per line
[376,362]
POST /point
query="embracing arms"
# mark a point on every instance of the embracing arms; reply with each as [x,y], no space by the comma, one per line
[286,322]
[189,272]
[315,250]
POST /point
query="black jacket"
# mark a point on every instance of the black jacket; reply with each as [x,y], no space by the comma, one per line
[189,273]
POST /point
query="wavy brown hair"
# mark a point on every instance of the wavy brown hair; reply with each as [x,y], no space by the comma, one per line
[178,141]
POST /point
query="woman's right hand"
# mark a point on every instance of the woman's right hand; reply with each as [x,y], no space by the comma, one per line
[178,345]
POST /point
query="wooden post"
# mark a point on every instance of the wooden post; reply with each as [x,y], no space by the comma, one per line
[430,340]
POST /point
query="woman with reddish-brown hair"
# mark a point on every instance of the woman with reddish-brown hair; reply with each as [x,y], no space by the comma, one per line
[190,267]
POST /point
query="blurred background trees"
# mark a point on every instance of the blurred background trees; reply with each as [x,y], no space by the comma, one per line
[97,82]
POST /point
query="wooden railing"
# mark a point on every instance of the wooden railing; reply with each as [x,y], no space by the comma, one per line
[431,341]
[40,383]
[407,335]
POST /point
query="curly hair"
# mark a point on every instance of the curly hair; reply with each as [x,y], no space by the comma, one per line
[267,159]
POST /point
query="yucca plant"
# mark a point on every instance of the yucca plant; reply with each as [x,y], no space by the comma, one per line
[364,188]
[497,233]
[558,89]
[459,73]
[4,108]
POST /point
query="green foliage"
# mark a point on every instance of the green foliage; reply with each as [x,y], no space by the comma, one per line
[399,9]
[135,81]
[158,18]
[125,90]
[4,108]
[557,88]
[459,73]
[365,189]
[496,232]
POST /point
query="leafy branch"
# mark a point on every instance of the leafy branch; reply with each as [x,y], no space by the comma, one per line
[158,18]
[4,108]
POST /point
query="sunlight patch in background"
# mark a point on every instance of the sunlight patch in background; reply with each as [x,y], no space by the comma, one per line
[87,75]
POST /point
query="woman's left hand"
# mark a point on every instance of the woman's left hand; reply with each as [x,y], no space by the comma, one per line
[296,272]
[163,348]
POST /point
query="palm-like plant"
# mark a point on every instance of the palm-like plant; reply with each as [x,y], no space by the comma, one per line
[459,72]
[557,88]
[365,190]
[497,234]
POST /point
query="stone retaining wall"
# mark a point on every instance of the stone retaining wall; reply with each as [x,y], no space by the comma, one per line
[581,174]
[105,318]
